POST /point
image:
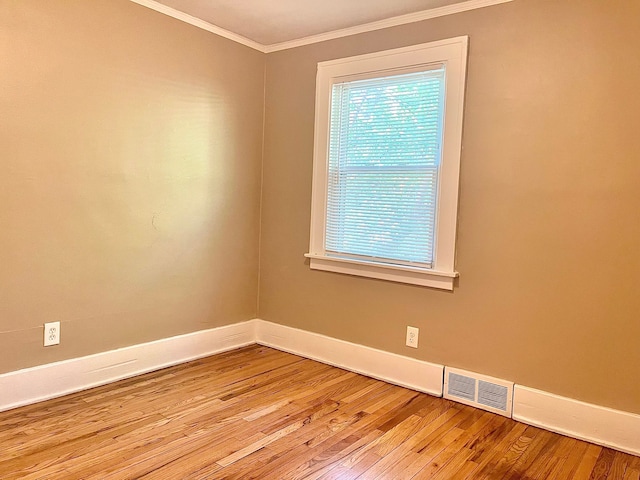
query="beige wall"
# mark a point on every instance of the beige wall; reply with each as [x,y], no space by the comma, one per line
[130,156]
[549,230]
[130,163]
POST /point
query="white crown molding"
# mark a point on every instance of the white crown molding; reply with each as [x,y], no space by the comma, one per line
[386,23]
[196,22]
[345,32]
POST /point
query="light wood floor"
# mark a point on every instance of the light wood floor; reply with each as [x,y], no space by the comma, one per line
[260,413]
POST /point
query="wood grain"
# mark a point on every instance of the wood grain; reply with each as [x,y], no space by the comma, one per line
[257,413]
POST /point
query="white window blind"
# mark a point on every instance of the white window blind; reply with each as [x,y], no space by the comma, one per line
[385,149]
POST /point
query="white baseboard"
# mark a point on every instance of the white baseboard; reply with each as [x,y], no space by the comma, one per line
[404,371]
[31,385]
[600,425]
[43,382]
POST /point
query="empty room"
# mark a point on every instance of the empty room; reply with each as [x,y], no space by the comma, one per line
[348,239]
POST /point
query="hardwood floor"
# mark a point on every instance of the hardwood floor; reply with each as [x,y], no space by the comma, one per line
[257,413]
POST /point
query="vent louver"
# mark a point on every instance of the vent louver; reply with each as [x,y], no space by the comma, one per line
[479,391]
[492,395]
[461,386]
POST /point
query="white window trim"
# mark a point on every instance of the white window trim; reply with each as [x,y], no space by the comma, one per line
[451,52]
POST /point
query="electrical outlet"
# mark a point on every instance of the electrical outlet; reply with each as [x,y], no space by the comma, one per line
[412,337]
[51,334]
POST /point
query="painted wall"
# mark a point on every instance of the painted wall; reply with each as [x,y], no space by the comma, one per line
[130,163]
[549,222]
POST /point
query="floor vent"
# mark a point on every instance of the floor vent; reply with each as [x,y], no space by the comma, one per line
[479,391]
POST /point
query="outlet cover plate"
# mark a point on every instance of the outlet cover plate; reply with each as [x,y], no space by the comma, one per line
[51,333]
[412,337]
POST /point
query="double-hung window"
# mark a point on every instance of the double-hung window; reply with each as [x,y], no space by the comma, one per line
[386,163]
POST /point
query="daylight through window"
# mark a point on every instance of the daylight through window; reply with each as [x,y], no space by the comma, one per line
[386,164]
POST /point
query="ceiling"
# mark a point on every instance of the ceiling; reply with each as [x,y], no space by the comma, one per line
[269,22]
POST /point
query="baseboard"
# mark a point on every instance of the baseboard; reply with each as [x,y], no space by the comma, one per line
[404,371]
[31,385]
[600,425]
[43,382]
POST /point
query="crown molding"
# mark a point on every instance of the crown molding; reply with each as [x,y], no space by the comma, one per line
[386,23]
[322,37]
[196,22]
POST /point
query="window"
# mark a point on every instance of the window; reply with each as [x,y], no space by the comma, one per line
[386,164]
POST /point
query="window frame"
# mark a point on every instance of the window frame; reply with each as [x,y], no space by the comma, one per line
[453,54]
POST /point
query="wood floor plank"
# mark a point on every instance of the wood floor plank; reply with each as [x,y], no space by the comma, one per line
[565,459]
[503,459]
[360,424]
[538,451]
[632,474]
[619,466]
[487,461]
[588,461]
[258,413]
[460,449]
[603,465]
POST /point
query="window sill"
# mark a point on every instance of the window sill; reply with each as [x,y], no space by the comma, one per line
[394,273]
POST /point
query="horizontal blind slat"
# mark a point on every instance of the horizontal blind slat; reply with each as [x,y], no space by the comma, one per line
[384,155]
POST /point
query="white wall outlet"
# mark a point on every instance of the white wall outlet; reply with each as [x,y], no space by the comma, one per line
[51,334]
[412,337]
